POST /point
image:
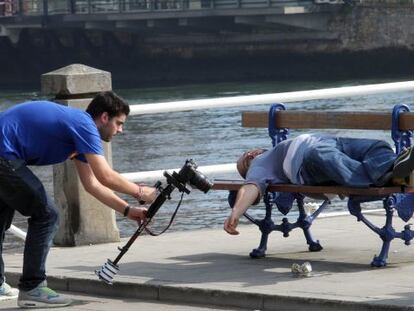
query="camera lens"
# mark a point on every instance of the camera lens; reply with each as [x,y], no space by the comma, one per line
[189,174]
[200,182]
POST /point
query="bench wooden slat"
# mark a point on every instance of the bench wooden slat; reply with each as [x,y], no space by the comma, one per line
[363,120]
[223,184]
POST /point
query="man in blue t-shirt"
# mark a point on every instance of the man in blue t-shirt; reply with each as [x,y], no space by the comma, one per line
[318,160]
[44,133]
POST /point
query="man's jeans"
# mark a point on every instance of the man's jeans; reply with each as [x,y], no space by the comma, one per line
[21,190]
[348,162]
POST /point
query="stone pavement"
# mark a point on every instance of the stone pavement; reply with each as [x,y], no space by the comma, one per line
[211,267]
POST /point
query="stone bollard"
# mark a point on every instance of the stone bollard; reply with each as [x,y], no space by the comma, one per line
[83,219]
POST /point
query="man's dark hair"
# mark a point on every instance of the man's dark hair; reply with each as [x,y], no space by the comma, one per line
[107,102]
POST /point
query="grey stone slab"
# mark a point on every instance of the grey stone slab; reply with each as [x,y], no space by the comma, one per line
[75,79]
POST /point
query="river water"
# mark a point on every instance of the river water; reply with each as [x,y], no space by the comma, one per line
[215,136]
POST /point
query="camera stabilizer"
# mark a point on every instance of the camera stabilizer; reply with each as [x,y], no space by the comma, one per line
[187,174]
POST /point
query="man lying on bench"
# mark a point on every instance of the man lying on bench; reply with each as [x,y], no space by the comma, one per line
[319,160]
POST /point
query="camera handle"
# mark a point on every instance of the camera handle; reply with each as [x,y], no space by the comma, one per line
[110,268]
[152,210]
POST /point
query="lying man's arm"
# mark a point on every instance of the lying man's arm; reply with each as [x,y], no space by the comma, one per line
[246,196]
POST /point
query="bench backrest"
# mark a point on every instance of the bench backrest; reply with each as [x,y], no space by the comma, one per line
[298,119]
[278,121]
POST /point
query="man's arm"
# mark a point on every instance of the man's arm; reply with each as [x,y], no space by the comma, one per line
[104,194]
[246,196]
[115,181]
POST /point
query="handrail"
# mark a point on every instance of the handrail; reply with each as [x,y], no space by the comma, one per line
[27,8]
[284,97]
[17,232]
[155,175]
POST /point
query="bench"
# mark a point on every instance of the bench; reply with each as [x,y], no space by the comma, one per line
[279,122]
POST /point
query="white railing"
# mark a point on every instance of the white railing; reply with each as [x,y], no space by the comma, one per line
[155,175]
[17,232]
[286,97]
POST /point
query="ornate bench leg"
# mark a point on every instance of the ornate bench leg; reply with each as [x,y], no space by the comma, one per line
[260,252]
[266,226]
[305,222]
[387,234]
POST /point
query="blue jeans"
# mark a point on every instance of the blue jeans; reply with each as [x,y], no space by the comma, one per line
[349,162]
[22,191]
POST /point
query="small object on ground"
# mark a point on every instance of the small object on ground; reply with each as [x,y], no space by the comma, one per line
[304,269]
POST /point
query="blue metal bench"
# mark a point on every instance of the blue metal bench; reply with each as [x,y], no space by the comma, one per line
[279,122]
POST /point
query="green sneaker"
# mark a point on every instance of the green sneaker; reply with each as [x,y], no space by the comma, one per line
[8,292]
[42,297]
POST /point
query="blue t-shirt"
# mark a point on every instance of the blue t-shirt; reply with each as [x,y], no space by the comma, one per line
[267,168]
[43,133]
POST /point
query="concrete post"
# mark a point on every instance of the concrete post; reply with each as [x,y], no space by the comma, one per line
[83,219]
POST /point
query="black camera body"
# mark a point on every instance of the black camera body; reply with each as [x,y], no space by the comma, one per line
[189,175]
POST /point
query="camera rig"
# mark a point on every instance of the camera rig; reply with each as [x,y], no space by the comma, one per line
[188,174]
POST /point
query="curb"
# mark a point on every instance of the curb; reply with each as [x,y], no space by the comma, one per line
[192,295]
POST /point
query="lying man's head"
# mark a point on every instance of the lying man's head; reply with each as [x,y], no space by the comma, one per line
[244,161]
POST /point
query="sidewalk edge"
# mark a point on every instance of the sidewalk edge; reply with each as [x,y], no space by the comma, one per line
[193,295]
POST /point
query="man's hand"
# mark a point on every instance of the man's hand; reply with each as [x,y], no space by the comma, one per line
[137,213]
[231,224]
[148,194]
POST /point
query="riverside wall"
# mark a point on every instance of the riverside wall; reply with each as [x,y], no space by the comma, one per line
[366,40]
[373,26]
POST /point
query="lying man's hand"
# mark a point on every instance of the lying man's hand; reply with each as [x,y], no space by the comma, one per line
[230,225]
[246,196]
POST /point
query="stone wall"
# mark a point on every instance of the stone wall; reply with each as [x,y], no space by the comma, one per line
[362,40]
[367,27]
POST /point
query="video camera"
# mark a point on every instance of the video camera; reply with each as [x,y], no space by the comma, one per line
[188,174]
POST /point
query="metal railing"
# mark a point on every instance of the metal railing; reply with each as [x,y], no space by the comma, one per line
[53,7]
[17,232]
[285,97]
